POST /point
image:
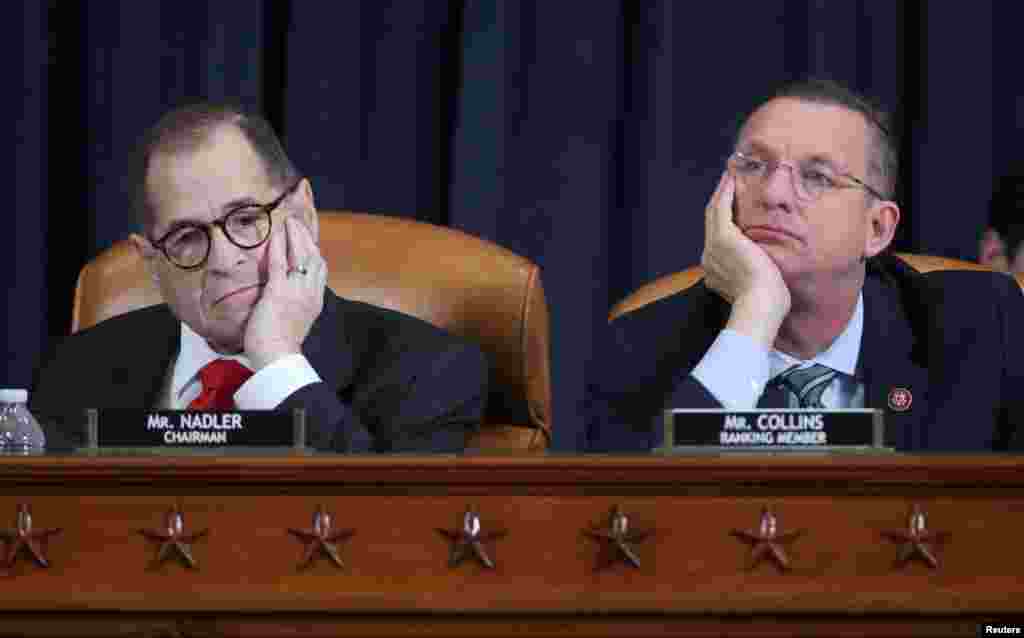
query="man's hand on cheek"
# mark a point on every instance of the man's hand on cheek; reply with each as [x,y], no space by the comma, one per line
[741,271]
[291,300]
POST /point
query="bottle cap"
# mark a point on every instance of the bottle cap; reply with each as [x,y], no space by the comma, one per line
[13,396]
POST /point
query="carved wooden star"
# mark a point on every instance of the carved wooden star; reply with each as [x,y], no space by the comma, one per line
[767,540]
[24,536]
[173,539]
[917,539]
[469,540]
[617,537]
[321,538]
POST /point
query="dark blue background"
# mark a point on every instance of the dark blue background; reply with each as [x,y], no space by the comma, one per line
[585,135]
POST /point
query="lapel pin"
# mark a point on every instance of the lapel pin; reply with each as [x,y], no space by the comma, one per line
[900,399]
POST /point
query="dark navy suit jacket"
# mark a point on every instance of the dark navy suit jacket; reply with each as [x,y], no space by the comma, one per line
[391,382]
[954,339]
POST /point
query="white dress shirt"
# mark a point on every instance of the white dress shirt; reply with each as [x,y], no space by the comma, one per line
[264,390]
[736,369]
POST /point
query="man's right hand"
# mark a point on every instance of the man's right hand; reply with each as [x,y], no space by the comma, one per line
[741,271]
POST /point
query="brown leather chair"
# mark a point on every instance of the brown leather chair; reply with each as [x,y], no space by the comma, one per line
[469,286]
[679,281]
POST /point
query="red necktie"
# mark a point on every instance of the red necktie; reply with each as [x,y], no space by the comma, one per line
[221,378]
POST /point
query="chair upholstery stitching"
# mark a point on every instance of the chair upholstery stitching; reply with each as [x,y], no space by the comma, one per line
[529,290]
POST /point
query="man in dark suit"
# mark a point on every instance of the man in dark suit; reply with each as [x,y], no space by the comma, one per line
[800,307]
[229,235]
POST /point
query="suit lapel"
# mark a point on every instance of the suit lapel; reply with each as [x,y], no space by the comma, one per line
[893,363]
[328,347]
[141,368]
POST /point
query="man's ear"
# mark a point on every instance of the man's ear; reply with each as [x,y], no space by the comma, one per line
[883,218]
[309,212]
[147,253]
[992,250]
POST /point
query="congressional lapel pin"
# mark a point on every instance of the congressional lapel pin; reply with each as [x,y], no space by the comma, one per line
[900,399]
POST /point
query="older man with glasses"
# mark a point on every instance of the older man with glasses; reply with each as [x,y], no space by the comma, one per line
[229,236]
[801,307]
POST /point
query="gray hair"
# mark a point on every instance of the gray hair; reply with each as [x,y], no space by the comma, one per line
[186,129]
[883,154]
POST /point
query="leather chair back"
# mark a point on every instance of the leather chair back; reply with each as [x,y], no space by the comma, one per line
[468,286]
[678,281]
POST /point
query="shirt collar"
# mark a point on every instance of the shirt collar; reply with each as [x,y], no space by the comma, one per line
[193,354]
[840,356]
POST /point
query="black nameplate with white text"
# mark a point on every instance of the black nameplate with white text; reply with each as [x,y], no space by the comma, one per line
[774,429]
[123,427]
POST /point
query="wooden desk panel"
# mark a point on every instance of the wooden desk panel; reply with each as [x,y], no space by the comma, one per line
[694,575]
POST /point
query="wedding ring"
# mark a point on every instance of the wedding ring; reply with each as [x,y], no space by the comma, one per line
[302,270]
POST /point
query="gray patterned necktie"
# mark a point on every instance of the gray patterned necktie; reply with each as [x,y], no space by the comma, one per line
[806,384]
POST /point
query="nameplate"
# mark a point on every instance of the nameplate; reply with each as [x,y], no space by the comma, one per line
[791,429]
[123,427]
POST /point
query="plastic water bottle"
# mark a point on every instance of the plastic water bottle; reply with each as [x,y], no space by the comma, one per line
[19,431]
